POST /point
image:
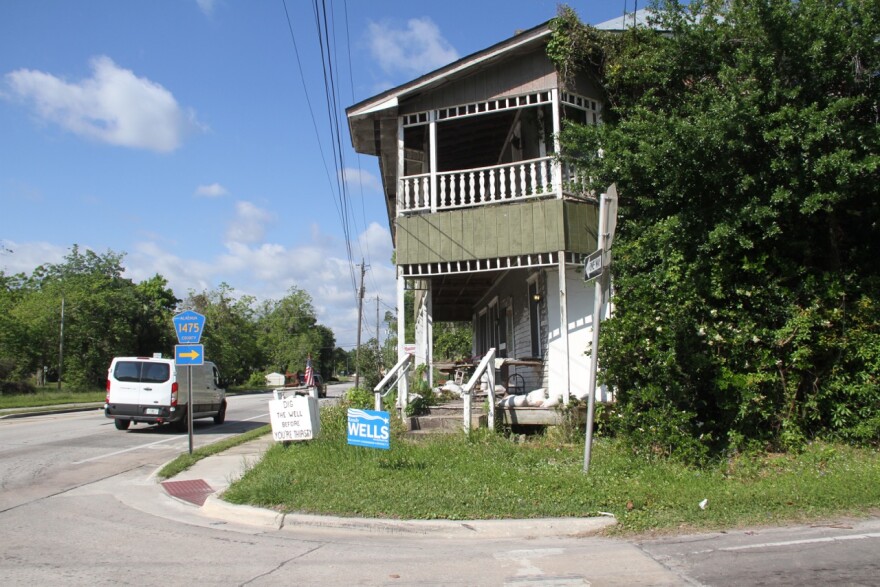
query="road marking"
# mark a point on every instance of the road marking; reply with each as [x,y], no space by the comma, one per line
[791,543]
[123,451]
[148,445]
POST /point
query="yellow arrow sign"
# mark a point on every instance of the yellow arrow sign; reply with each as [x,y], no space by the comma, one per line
[193,354]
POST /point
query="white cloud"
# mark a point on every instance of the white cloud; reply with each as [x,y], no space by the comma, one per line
[214,190]
[359,180]
[113,106]
[266,271]
[249,224]
[25,257]
[413,50]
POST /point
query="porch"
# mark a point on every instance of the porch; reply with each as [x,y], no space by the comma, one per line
[448,417]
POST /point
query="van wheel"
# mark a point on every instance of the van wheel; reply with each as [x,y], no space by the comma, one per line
[122,424]
[221,415]
[182,425]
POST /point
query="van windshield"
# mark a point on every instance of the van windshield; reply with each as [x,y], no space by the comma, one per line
[141,372]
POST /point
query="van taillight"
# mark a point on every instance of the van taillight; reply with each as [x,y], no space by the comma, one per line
[107,398]
[174,394]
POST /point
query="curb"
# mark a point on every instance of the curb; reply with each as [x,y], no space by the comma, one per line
[216,508]
[47,412]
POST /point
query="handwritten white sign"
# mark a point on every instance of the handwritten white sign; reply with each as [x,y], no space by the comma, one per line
[294,418]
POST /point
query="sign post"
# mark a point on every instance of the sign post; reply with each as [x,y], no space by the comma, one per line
[189,326]
[607,224]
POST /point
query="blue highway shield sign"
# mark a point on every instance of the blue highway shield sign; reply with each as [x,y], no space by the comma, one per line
[189,326]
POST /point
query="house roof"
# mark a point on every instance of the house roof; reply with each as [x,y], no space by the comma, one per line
[627,21]
[385,104]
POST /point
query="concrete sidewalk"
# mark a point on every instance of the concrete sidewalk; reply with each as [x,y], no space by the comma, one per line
[202,485]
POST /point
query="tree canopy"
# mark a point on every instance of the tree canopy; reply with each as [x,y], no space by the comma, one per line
[107,315]
[743,137]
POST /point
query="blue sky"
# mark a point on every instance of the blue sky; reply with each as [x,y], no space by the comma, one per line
[183,134]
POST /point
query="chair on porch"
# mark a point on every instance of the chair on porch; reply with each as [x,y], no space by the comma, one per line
[516,385]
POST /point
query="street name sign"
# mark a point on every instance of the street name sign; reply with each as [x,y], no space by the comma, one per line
[189,326]
[189,355]
[369,428]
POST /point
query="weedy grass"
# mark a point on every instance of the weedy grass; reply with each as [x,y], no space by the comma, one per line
[490,476]
[46,397]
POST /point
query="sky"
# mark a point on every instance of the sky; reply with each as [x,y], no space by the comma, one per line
[196,137]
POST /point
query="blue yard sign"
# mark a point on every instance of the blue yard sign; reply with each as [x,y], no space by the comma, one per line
[369,428]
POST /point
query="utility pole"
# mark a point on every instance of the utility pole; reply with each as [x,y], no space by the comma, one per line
[61,345]
[378,354]
[357,356]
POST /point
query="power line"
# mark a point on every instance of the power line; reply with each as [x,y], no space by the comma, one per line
[339,208]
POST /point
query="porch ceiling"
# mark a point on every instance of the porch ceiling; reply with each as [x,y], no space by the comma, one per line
[454,296]
[473,142]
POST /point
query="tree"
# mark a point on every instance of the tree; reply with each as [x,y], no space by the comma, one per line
[100,319]
[745,145]
[230,337]
[155,331]
[289,334]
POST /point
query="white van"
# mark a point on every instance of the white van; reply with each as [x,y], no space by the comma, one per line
[156,391]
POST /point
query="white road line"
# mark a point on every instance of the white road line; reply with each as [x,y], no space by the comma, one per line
[119,452]
[140,446]
[791,543]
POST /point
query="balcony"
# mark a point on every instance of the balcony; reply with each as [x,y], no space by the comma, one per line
[496,184]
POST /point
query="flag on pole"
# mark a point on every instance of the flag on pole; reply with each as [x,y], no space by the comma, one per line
[310,373]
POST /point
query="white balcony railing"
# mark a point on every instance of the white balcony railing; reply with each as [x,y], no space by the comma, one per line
[476,187]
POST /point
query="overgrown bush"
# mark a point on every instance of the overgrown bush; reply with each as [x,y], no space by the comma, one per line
[16,387]
[747,159]
[359,397]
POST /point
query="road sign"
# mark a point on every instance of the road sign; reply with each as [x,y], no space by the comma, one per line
[189,326]
[189,355]
[593,265]
[369,428]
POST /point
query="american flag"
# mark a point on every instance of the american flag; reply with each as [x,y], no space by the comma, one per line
[310,373]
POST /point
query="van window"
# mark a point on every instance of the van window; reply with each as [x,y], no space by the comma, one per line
[141,372]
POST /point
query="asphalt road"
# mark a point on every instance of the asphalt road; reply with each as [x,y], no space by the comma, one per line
[79,505]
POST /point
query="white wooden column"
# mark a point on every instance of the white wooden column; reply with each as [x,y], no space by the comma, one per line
[563,326]
[401,337]
[401,165]
[429,332]
[432,145]
[557,128]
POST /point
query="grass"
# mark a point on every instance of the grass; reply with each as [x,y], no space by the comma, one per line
[49,396]
[489,476]
[185,461]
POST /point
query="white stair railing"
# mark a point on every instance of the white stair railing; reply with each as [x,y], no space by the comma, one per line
[395,375]
[487,365]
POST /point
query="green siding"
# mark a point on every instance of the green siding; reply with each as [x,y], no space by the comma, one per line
[487,232]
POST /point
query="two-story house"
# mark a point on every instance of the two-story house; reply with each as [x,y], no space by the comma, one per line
[487,224]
